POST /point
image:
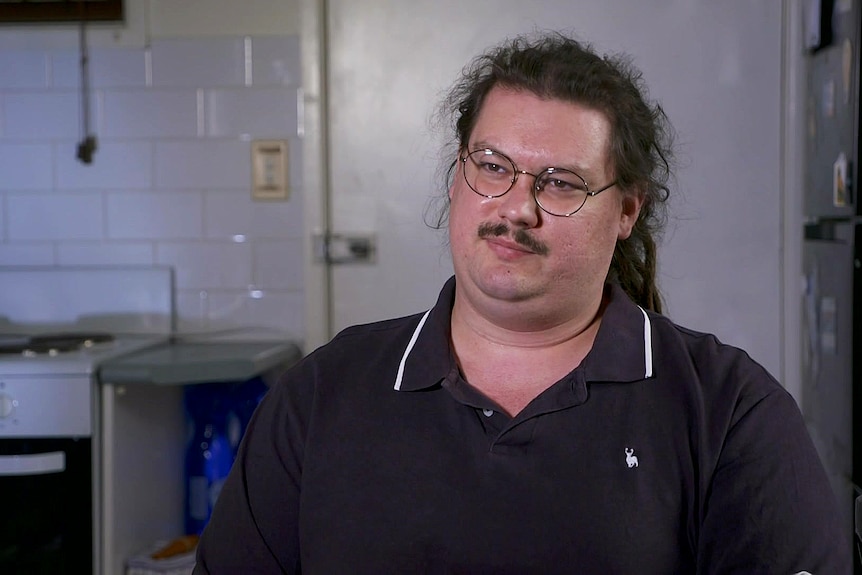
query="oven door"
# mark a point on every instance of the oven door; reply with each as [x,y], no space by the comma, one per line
[46,487]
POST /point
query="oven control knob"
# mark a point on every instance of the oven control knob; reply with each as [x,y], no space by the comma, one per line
[7,404]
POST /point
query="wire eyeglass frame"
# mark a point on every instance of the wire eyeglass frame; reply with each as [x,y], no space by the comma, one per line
[540,180]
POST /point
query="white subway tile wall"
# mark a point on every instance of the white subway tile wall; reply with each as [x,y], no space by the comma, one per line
[100,253]
[27,254]
[38,159]
[23,69]
[171,176]
[178,215]
[264,308]
[237,111]
[230,264]
[160,114]
[50,216]
[199,62]
[117,68]
[116,165]
[276,61]
[272,270]
[229,214]
[203,163]
[42,115]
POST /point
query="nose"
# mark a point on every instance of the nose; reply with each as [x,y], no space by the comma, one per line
[519,205]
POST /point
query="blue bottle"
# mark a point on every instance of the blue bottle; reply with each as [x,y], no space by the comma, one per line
[209,455]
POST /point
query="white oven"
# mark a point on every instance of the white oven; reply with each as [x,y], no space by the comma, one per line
[46,474]
[56,326]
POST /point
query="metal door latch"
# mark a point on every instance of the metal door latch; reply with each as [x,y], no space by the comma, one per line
[345,248]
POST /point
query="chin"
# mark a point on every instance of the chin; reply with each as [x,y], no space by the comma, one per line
[508,287]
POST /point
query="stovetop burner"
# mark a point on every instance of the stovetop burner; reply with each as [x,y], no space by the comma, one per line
[52,344]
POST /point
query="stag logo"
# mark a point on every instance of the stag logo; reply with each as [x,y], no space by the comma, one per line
[631,458]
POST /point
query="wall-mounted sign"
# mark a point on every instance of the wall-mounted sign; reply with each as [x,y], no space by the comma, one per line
[47,11]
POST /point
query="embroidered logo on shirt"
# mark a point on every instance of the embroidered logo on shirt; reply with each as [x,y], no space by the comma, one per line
[631,458]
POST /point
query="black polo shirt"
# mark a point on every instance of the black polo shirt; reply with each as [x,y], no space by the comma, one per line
[665,451]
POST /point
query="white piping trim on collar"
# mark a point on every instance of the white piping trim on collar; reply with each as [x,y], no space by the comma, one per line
[647,344]
[407,351]
[647,347]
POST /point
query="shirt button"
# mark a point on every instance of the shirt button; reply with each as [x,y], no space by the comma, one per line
[488,412]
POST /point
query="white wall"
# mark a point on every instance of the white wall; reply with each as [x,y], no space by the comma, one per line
[178,92]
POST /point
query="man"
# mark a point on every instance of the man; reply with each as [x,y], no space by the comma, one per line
[542,417]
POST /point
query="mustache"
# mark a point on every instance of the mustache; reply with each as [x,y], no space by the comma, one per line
[520,237]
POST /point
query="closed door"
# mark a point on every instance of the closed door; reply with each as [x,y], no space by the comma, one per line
[716,68]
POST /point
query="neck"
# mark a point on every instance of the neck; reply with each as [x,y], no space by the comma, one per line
[527,325]
[514,358]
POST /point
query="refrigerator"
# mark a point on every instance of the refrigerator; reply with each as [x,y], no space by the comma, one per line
[831,397]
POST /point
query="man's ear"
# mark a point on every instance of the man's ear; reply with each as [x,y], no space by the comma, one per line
[632,202]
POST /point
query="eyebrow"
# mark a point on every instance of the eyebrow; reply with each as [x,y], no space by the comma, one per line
[582,171]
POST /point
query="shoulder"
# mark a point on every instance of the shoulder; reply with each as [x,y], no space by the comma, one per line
[378,330]
[681,347]
[724,381]
[367,351]
[367,342]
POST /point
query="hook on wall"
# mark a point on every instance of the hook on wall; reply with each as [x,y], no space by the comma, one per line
[88,144]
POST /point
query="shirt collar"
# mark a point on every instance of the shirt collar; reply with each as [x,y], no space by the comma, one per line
[428,358]
[622,351]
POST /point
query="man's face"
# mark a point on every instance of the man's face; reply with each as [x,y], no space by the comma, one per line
[508,250]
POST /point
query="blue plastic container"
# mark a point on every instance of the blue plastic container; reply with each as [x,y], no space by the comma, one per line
[209,454]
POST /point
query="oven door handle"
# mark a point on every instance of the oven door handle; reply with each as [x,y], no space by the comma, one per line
[33,464]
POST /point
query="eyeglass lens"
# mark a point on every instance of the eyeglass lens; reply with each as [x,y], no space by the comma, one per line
[557,191]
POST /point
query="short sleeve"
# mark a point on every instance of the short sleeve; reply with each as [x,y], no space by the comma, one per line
[769,506]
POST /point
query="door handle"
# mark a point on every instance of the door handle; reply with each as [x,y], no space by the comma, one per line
[33,464]
[345,248]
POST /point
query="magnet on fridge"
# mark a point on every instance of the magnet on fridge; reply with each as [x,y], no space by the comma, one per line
[839,181]
[817,23]
[827,101]
[811,110]
[847,68]
[828,325]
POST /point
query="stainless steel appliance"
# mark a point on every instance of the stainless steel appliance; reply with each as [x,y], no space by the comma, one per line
[832,368]
[57,326]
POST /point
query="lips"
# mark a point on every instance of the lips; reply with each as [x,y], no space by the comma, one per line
[521,240]
[509,245]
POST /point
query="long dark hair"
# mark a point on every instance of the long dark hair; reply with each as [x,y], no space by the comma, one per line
[552,65]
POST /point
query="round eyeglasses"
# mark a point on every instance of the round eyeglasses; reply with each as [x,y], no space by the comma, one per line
[557,191]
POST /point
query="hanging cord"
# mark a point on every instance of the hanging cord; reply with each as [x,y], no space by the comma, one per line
[87,146]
